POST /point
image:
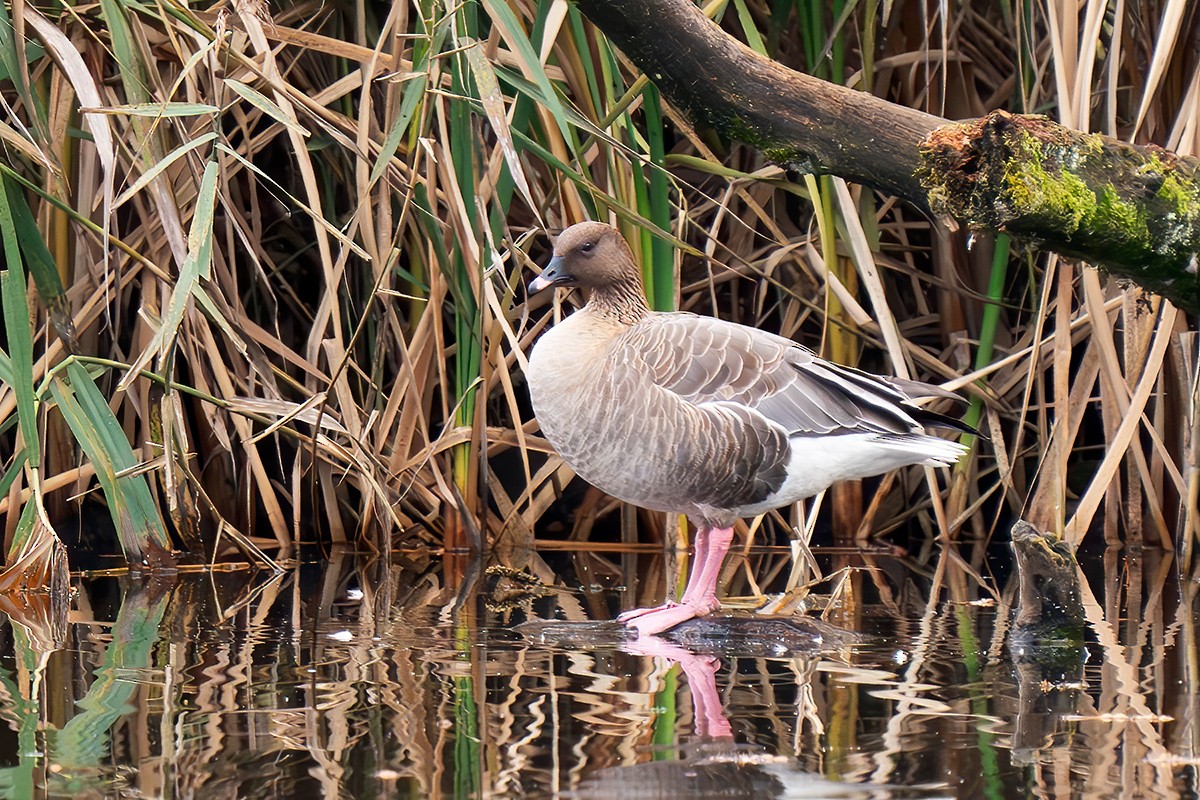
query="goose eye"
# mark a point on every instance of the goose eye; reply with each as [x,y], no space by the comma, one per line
[586,247]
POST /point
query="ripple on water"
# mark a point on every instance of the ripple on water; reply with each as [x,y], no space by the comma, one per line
[338,682]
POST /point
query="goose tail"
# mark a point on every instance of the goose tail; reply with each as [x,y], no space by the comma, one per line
[930,450]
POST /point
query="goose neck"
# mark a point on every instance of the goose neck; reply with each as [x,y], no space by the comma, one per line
[624,302]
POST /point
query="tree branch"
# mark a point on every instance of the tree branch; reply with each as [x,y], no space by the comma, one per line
[1134,210]
[794,119]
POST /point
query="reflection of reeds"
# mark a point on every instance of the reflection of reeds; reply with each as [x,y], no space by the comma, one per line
[366,679]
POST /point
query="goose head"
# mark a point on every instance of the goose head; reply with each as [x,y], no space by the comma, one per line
[590,255]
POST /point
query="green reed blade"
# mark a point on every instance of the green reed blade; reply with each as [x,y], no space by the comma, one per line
[812,32]
[513,33]
[987,328]
[467,777]
[662,256]
[85,740]
[753,37]
[414,92]
[870,33]
[10,59]
[11,64]
[266,105]
[993,786]
[837,47]
[465,153]
[165,110]
[10,475]
[148,175]
[18,780]
[487,91]
[17,329]
[125,50]
[524,120]
[666,717]
[100,435]
[606,57]
[623,211]
[197,265]
[36,254]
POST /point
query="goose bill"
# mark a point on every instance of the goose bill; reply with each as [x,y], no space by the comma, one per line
[552,275]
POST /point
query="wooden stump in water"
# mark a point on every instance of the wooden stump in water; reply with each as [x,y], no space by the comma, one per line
[1048,605]
[1046,642]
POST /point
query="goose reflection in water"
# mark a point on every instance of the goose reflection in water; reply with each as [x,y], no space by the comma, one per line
[712,764]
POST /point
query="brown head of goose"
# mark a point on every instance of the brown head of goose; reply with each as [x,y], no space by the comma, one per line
[698,416]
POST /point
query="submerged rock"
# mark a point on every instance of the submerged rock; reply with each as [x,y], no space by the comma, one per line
[738,635]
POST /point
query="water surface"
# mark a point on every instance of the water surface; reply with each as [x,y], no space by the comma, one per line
[362,679]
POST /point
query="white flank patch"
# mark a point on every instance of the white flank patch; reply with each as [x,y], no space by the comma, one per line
[818,462]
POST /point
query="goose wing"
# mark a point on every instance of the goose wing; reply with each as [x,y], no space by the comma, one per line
[707,360]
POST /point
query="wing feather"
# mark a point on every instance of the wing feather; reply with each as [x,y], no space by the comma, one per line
[707,360]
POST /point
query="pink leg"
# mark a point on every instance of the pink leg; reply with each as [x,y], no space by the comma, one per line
[701,672]
[711,546]
[701,548]
[700,596]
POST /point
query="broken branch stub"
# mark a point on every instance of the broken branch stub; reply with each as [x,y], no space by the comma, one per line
[1134,211]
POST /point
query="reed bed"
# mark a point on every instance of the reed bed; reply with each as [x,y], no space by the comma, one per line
[264,266]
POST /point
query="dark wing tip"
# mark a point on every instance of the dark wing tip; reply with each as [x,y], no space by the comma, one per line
[919,390]
[935,420]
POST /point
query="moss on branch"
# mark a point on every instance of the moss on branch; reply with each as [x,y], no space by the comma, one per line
[1132,210]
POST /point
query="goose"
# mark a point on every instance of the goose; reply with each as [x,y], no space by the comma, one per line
[695,415]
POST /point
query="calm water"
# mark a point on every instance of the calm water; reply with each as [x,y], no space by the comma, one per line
[363,679]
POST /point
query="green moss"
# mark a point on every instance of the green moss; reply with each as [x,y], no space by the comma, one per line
[938,196]
[1059,199]
[1118,219]
[1078,153]
[1181,198]
[1056,197]
[1039,188]
[1133,210]
[735,127]
[1152,164]
[791,158]
[1173,192]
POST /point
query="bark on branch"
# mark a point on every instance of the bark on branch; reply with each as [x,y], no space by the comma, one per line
[1133,210]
